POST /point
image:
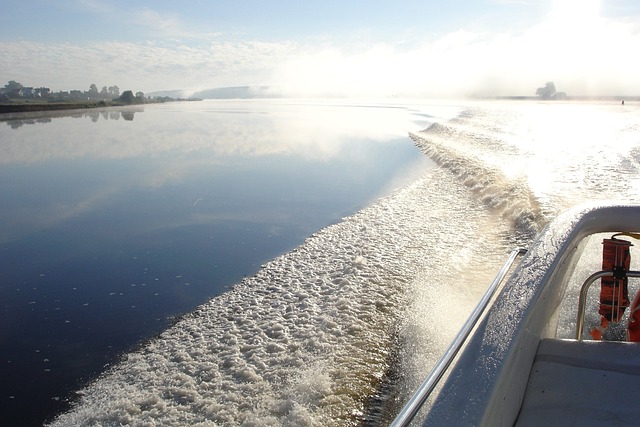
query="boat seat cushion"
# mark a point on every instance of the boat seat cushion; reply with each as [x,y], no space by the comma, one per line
[583,383]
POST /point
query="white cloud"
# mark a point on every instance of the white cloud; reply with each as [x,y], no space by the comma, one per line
[580,51]
[583,53]
[95,6]
[168,25]
[139,66]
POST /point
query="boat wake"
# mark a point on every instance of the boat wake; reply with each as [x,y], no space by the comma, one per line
[306,341]
[463,154]
[312,337]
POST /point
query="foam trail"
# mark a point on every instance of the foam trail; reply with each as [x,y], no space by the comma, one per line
[462,250]
[310,339]
[510,197]
[306,341]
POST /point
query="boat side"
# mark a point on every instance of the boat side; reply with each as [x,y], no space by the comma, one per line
[486,385]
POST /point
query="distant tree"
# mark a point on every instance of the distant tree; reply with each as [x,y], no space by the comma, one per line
[127,97]
[43,92]
[140,96]
[93,91]
[13,85]
[13,88]
[547,91]
[114,91]
[104,93]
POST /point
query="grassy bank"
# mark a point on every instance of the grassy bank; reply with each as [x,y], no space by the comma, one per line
[29,106]
[25,107]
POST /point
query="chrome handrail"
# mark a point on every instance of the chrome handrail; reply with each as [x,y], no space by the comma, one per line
[582,302]
[422,393]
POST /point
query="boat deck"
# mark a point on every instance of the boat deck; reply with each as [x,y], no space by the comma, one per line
[583,383]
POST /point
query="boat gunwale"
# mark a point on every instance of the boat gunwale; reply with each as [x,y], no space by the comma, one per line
[486,385]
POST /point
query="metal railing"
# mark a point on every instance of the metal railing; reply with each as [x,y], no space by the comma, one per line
[582,302]
[422,393]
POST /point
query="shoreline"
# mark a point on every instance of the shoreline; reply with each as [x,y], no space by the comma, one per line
[28,107]
[50,106]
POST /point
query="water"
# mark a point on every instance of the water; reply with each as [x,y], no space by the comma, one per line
[340,328]
[115,223]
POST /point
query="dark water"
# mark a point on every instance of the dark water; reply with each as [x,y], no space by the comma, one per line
[113,223]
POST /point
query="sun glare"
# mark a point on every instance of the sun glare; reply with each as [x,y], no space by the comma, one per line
[575,10]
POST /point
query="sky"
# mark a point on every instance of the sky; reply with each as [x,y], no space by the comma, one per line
[351,48]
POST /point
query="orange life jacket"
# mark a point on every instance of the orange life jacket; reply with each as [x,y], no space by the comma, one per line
[614,293]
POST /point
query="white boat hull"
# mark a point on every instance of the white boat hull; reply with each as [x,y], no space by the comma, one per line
[487,384]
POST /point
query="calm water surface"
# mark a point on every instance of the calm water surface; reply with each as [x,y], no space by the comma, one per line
[115,222]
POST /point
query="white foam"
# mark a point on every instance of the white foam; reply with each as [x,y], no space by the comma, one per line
[510,197]
[303,342]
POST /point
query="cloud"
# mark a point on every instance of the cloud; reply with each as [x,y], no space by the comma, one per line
[97,7]
[153,22]
[169,25]
[581,51]
[144,66]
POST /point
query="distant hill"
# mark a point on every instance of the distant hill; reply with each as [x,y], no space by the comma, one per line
[176,94]
[236,92]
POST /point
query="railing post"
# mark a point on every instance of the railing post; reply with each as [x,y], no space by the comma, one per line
[582,302]
[420,396]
